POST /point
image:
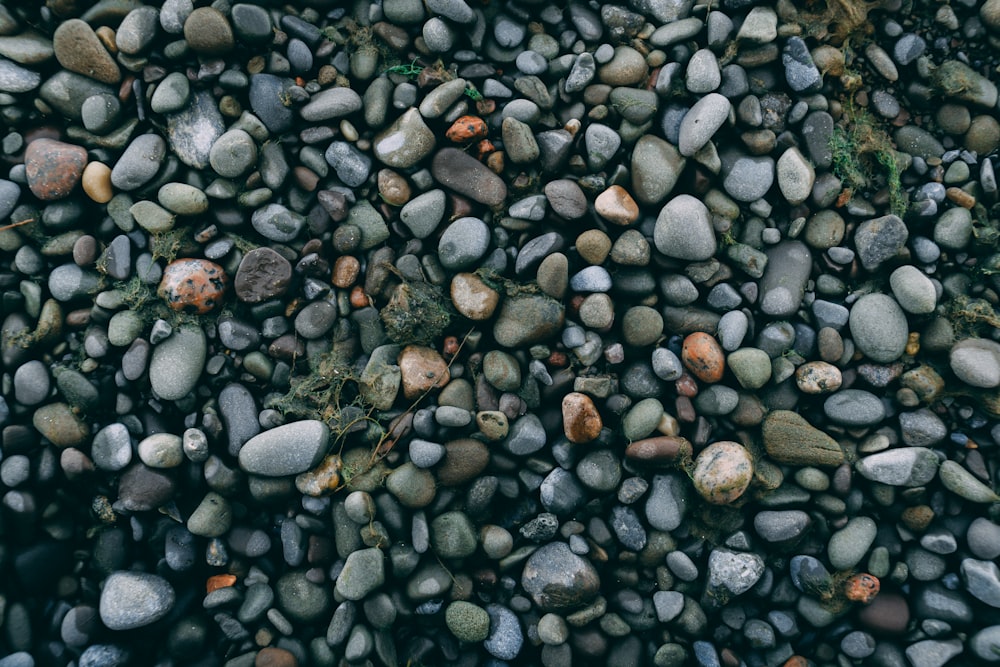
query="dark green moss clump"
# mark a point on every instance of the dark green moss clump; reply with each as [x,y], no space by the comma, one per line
[417,313]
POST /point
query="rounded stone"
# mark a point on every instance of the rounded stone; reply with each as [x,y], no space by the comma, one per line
[879,328]
[132,600]
[468,622]
[558,580]
[195,286]
[722,472]
[207,31]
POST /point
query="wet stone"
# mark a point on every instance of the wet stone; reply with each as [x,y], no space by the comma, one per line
[53,168]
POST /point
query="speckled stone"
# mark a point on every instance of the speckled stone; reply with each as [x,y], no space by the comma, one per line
[193,285]
[53,168]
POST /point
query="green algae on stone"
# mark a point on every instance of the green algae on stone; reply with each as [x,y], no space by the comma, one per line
[789,438]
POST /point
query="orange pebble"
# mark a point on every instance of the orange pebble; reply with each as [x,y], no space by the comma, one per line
[796,661]
[358,297]
[466,129]
[703,356]
[862,588]
[218,581]
[450,347]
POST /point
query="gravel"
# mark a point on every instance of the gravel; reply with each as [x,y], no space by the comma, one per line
[460,333]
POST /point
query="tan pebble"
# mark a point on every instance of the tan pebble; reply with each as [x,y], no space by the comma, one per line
[616,205]
[393,188]
[818,377]
[581,420]
[97,182]
[422,369]
[722,472]
[492,424]
[472,297]
[593,246]
[960,197]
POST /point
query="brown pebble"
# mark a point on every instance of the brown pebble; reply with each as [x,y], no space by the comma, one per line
[463,460]
[53,168]
[422,369]
[275,657]
[78,49]
[393,188]
[703,356]
[322,480]
[472,297]
[85,250]
[660,450]
[207,31]
[193,285]
[616,205]
[917,518]
[581,420]
[306,178]
[960,197]
[346,270]
[888,614]
[831,345]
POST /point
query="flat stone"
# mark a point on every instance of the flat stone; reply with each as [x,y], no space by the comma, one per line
[194,130]
[559,580]
[976,362]
[331,104]
[406,142]
[78,49]
[900,466]
[527,319]
[139,163]
[701,123]
[684,230]
[177,363]
[879,327]
[363,573]
[789,438]
[286,450]
[879,240]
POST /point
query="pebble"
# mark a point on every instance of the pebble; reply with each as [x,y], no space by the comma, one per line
[467,176]
[78,49]
[879,327]
[406,142]
[177,363]
[559,580]
[193,285]
[233,153]
[139,163]
[463,243]
[684,230]
[703,356]
[582,422]
[976,362]
[132,600]
[468,622]
[363,573]
[53,168]
[701,123]
[722,472]
[789,438]
[902,466]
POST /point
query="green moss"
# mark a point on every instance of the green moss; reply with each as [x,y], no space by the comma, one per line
[863,154]
[418,312]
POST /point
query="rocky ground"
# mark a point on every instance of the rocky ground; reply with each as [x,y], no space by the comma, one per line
[450,332]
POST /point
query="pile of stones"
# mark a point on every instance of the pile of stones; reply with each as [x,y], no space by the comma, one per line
[440,332]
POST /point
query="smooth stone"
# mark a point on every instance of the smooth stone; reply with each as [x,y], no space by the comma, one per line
[795,175]
[901,466]
[464,174]
[404,143]
[722,472]
[879,327]
[746,178]
[171,95]
[233,153]
[286,450]
[331,104]
[363,573]
[53,168]
[558,580]
[782,287]
[132,600]
[177,363]
[64,91]
[848,546]
[505,639]
[139,163]
[351,165]
[78,49]
[467,621]
[17,79]
[976,362]
[57,423]
[684,230]
[207,31]
[701,123]
[854,407]
[212,517]
[527,319]
[137,30]
[463,243]
[266,94]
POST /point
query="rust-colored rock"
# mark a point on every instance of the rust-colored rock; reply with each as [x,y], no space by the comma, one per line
[193,285]
[581,420]
[703,356]
[53,168]
[661,450]
[616,205]
[862,588]
[218,581]
[275,657]
[467,129]
[422,369]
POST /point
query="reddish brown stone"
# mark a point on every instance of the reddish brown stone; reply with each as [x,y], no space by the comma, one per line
[703,356]
[193,285]
[661,450]
[467,129]
[53,168]
[275,657]
[862,588]
[581,420]
[888,614]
